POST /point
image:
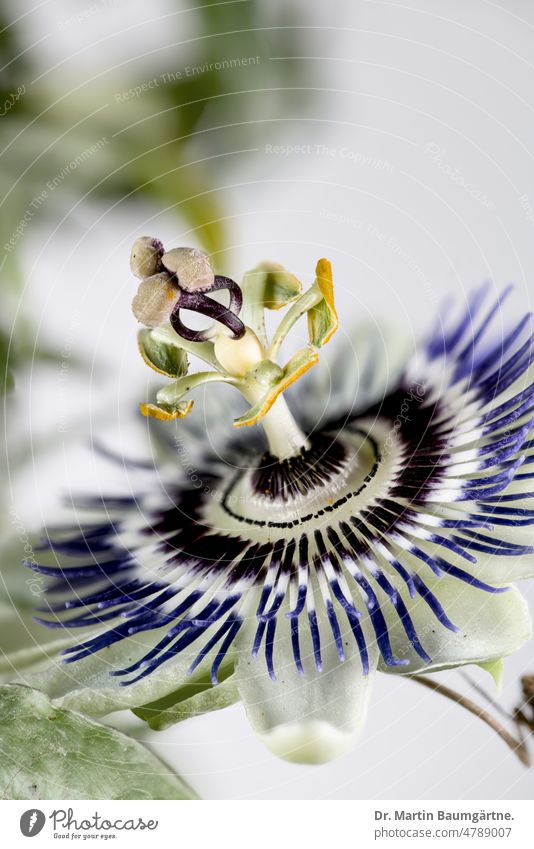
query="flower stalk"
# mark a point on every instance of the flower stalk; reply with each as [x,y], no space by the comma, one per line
[518,747]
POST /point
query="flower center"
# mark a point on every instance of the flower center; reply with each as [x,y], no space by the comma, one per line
[323,482]
[236,347]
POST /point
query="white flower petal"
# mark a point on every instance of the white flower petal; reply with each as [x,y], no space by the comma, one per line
[496,569]
[490,626]
[88,686]
[310,718]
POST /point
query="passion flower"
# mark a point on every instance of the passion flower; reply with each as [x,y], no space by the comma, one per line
[379,528]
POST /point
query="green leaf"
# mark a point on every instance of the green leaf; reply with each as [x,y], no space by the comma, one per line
[193,699]
[164,358]
[51,753]
[8,383]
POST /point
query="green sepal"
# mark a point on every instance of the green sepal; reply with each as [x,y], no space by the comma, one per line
[165,358]
[193,699]
[53,753]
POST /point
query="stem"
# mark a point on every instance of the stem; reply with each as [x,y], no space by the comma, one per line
[306,301]
[284,436]
[253,316]
[517,746]
[174,392]
[482,692]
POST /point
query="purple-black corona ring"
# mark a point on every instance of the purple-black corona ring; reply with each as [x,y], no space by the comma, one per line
[375,521]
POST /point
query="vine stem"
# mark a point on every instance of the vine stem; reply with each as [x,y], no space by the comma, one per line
[518,747]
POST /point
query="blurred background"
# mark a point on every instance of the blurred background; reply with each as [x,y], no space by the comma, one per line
[394,139]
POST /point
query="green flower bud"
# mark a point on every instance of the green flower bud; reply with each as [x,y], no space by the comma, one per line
[145,259]
[191,267]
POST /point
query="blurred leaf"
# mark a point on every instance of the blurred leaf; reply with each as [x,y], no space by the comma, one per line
[156,143]
[50,753]
[7,381]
